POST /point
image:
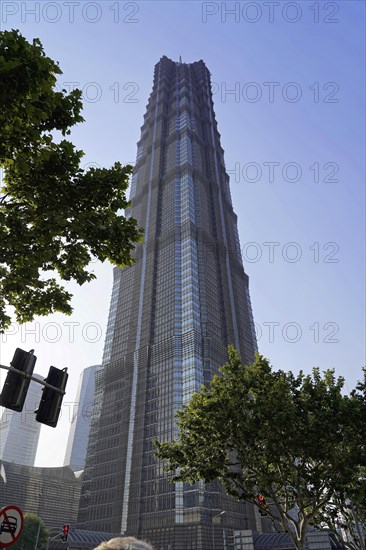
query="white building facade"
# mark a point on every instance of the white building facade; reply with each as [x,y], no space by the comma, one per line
[19,431]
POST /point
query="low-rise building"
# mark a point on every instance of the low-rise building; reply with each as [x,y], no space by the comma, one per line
[51,493]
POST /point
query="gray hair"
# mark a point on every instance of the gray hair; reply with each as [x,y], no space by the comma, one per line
[124,543]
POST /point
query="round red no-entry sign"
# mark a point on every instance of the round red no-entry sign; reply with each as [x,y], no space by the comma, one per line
[11,525]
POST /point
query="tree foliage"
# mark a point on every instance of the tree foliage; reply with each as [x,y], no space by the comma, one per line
[288,438]
[27,539]
[347,512]
[54,217]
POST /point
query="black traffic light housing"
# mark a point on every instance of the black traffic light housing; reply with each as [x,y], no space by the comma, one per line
[51,401]
[65,532]
[16,386]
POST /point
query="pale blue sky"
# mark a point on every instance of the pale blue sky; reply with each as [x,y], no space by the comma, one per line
[319,63]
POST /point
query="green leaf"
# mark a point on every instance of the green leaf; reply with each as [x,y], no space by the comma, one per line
[54,216]
[299,441]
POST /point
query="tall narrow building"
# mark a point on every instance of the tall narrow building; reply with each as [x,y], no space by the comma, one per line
[77,442]
[172,316]
[19,432]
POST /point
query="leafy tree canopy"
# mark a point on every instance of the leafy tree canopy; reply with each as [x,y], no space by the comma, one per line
[54,216]
[27,539]
[292,439]
[347,512]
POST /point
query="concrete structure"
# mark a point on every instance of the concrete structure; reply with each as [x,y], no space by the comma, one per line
[19,432]
[80,423]
[52,493]
[172,315]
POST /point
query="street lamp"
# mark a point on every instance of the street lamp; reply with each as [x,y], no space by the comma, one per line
[213,527]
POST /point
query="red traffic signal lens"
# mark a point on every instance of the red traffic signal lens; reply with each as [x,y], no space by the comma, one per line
[65,532]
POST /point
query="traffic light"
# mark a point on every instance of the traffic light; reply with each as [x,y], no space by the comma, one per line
[65,532]
[16,386]
[51,401]
[262,505]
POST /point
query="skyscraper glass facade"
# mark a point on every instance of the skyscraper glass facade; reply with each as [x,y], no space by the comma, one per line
[172,316]
[19,432]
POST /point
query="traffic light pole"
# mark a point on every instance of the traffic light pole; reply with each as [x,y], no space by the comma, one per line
[52,538]
[29,377]
[14,392]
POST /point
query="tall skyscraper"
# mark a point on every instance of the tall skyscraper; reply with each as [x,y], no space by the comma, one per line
[80,422]
[172,316]
[19,432]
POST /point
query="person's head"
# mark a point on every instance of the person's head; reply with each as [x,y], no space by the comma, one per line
[124,543]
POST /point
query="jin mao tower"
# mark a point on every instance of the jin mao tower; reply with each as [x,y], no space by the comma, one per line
[172,316]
